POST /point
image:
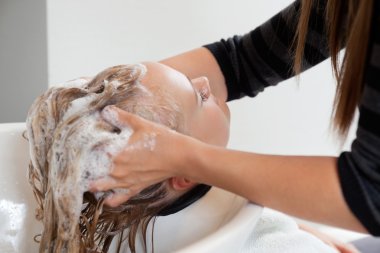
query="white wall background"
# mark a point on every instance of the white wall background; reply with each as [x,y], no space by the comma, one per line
[85,36]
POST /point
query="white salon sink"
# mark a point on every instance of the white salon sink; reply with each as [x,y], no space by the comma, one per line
[219,222]
[17,206]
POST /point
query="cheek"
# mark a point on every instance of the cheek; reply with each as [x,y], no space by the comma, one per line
[216,126]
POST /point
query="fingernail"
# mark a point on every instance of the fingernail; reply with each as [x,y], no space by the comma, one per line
[109,196]
[121,191]
[110,114]
[92,187]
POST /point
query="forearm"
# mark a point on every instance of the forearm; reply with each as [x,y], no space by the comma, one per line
[200,62]
[306,187]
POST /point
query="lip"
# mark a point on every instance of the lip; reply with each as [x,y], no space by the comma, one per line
[216,100]
[228,113]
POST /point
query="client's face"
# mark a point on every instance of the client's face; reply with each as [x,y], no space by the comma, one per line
[205,117]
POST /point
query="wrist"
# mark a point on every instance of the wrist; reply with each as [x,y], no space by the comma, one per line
[191,161]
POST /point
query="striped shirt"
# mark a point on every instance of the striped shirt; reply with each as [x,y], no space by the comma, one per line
[263,58]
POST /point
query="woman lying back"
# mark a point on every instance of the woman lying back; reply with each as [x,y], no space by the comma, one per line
[71,145]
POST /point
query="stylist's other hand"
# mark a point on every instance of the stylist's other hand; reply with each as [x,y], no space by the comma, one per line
[152,155]
[335,243]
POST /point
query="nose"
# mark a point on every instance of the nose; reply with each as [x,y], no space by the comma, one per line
[201,81]
[205,80]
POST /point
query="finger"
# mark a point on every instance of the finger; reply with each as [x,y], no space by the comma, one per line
[352,247]
[120,118]
[140,179]
[116,199]
[105,184]
[347,248]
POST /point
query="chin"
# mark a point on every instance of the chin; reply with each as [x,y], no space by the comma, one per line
[223,143]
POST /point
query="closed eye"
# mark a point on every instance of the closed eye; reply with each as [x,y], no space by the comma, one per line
[204,94]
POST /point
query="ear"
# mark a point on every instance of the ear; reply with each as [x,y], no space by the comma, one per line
[180,183]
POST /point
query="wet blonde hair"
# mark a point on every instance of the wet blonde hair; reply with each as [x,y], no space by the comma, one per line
[48,124]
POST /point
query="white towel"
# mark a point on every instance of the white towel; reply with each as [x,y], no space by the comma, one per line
[278,233]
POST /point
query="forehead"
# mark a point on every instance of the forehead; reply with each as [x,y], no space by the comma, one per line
[159,76]
[174,84]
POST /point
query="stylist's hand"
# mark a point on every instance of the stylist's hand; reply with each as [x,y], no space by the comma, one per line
[153,154]
[335,243]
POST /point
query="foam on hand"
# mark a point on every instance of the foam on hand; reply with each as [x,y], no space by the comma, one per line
[96,159]
[112,117]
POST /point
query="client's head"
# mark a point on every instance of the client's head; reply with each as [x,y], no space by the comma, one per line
[70,145]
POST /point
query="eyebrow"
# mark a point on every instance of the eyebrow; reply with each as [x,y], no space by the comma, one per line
[195,92]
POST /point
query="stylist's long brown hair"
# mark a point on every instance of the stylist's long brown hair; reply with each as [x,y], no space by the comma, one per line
[355,16]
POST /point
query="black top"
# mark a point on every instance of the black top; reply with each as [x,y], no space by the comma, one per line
[263,58]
